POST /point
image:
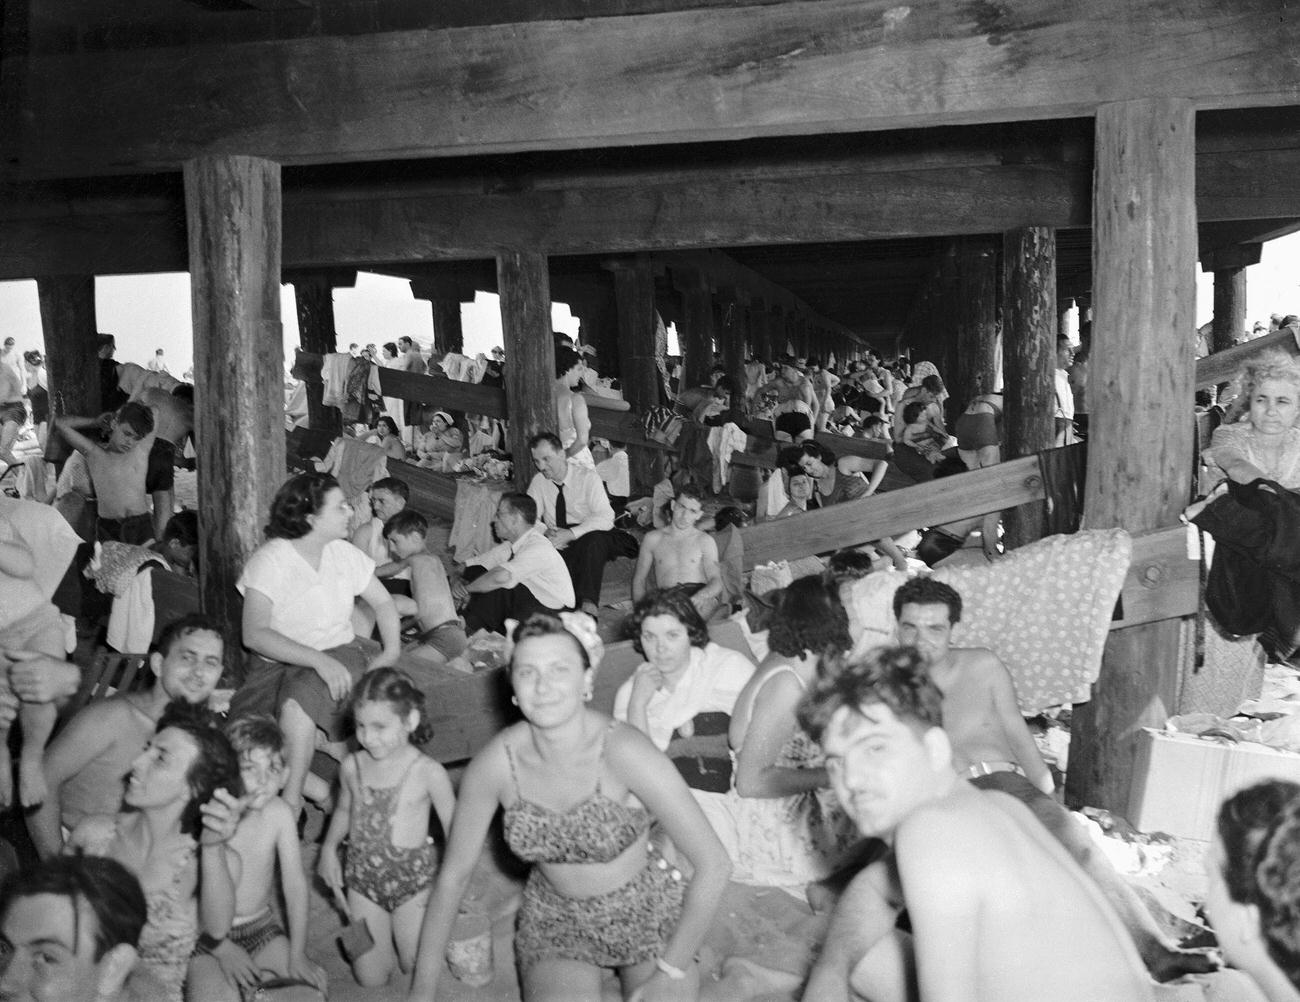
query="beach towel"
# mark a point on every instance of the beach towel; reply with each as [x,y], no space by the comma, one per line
[1045,610]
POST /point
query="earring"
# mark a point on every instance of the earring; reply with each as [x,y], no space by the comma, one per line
[515,700]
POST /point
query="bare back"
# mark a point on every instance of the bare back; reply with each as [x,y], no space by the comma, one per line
[1022,925]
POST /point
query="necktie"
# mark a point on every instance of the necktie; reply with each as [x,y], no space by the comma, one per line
[561,508]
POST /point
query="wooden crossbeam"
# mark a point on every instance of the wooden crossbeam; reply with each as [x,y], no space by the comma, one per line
[1163,582]
[725,72]
[1224,365]
[977,492]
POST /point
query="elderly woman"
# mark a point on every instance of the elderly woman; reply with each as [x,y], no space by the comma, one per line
[443,439]
[181,799]
[579,793]
[1253,871]
[682,697]
[790,829]
[299,591]
[1261,439]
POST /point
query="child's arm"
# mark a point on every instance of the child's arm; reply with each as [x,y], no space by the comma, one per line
[216,888]
[293,883]
[392,567]
[67,427]
[328,866]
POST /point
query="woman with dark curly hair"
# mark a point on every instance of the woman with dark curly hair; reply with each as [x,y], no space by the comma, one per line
[1253,894]
[166,836]
[790,830]
[299,592]
[682,697]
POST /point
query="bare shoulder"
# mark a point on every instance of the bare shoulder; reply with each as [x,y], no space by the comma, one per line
[625,745]
[981,660]
[942,828]
[279,817]
[653,538]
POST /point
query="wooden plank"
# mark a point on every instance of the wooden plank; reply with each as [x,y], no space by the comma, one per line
[841,198]
[725,73]
[1163,582]
[233,211]
[1140,388]
[1018,481]
[1225,365]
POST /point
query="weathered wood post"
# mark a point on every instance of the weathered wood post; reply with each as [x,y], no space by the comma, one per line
[695,333]
[232,206]
[313,295]
[525,289]
[634,294]
[1141,381]
[71,343]
[1228,264]
[1028,360]
[976,308]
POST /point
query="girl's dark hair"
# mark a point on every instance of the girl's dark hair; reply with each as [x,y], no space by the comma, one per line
[388,685]
[668,602]
[385,419]
[297,498]
[1277,882]
[542,624]
[215,767]
[933,383]
[808,618]
[1244,822]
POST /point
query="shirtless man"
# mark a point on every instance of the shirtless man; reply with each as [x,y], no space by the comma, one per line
[173,413]
[86,764]
[387,498]
[992,748]
[441,630]
[573,425]
[999,911]
[796,406]
[680,555]
[123,472]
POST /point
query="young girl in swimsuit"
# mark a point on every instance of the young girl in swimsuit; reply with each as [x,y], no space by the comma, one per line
[579,792]
[386,791]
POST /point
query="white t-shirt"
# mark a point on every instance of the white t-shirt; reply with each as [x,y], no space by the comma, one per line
[310,606]
[710,684]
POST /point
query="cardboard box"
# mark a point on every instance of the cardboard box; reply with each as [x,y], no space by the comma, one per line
[1180,780]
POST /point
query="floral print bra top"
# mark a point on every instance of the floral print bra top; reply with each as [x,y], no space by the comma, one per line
[597,830]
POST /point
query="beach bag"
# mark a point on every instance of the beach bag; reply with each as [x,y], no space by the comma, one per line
[662,425]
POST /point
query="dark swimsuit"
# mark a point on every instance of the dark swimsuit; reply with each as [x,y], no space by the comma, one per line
[625,926]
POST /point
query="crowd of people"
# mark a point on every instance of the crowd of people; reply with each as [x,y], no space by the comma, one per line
[897,788]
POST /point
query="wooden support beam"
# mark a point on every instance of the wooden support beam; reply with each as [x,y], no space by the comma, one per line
[1224,365]
[1028,359]
[864,196]
[233,212]
[448,335]
[525,291]
[1140,383]
[641,368]
[313,296]
[695,334]
[71,343]
[716,74]
[1162,581]
[1018,481]
[977,318]
[1228,325]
